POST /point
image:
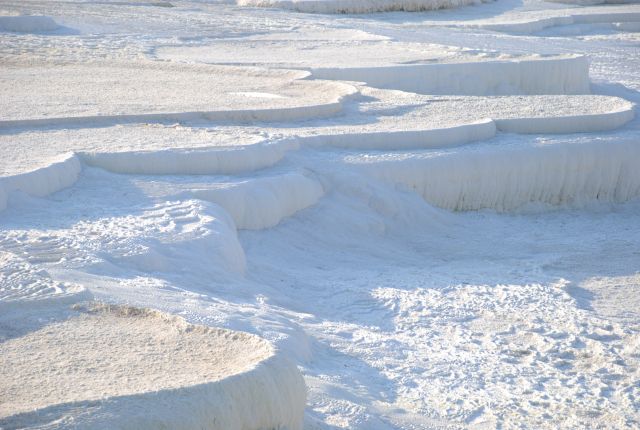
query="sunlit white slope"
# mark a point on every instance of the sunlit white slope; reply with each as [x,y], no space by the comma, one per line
[508,178]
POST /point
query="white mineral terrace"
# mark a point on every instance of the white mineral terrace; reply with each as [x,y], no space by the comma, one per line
[91,365]
[319,214]
[62,93]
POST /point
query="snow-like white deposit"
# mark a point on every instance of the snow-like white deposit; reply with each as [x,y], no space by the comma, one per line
[61,173]
[86,94]
[229,160]
[358,6]
[508,178]
[535,21]
[436,224]
[429,122]
[417,67]
[332,49]
[264,202]
[408,139]
[124,147]
[210,377]
[562,75]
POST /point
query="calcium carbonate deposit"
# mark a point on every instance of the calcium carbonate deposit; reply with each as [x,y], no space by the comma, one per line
[319,214]
[120,367]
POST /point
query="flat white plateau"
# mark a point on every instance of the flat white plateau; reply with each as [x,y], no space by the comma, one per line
[113,361]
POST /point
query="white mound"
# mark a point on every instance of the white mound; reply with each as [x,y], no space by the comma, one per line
[59,172]
[358,6]
[251,202]
[263,202]
[27,24]
[94,93]
[122,367]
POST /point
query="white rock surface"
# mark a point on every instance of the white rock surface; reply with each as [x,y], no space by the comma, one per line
[507,179]
[264,202]
[357,6]
[426,122]
[528,22]
[416,67]
[62,172]
[449,240]
[118,367]
[331,49]
[87,93]
[555,75]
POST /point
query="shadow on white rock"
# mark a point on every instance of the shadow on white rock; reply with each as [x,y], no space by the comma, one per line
[27,24]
